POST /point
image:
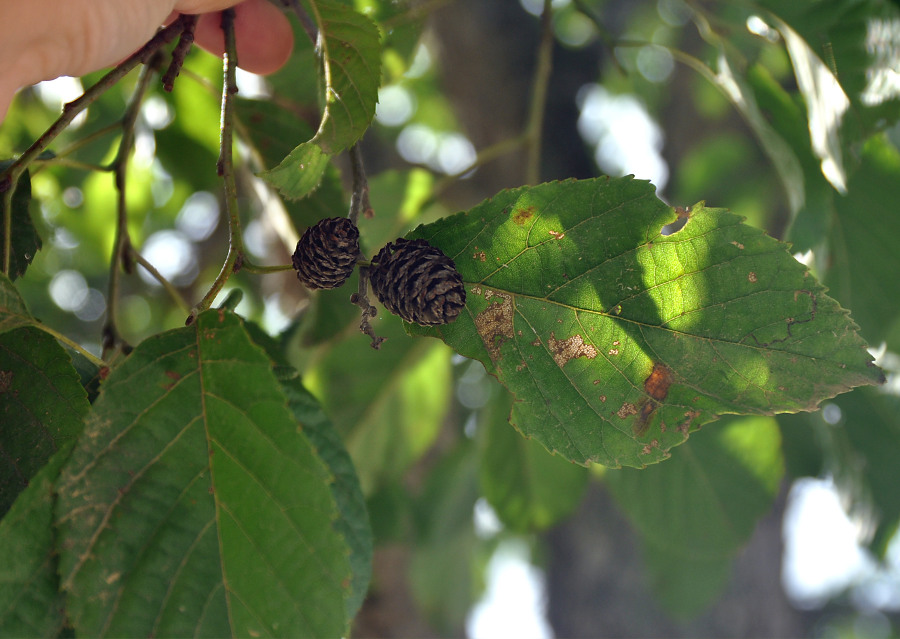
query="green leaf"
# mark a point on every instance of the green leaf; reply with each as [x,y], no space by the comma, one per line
[194,505]
[441,571]
[528,488]
[866,242]
[25,241]
[42,406]
[350,53]
[618,340]
[702,505]
[31,603]
[387,404]
[353,522]
[13,312]
[863,438]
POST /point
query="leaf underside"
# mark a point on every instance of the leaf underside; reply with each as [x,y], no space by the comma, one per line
[619,340]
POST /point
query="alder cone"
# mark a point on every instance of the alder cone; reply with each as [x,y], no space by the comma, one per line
[418,282]
[327,252]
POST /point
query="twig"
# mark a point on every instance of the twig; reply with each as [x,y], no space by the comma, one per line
[359,199]
[122,242]
[159,277]
[361,299]
[179,53]
[225,167]
[543,66]
[305,21]
[609,40]
[96,361]
[10,177]
[486,155]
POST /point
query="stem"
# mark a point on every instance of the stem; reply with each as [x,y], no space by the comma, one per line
[122,242]
[72,344]
[250,267]
[359,200]
[225,167]
[306,22]
[179,53]
[10,177]
[483,157]
[166,284]
[540,82]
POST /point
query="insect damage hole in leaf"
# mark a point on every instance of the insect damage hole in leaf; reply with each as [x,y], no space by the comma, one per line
[686,335]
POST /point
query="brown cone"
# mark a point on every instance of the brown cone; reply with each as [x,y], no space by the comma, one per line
[326,254]
[418,282]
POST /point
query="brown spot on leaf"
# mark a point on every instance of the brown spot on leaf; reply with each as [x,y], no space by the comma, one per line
[5,381]
[521,216]
[642,423]
[682,211]
[751,277]
[568,349]
[495,323]
[738,244]
[480,256]
[657,383]
[627,410]
[557,235]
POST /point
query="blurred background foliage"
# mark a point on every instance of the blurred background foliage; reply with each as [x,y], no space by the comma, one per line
[724,101]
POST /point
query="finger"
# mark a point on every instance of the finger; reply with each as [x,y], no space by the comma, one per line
[262,33]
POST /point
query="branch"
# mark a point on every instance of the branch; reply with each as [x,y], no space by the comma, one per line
[179,53]
[225,168]
[305,21]
[10,177]
[543,66]
[359,199]
[122,242]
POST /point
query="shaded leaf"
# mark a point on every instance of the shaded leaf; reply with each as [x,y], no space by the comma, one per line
[42,406]
[31,603]
[528,488]
[194,505]
[13,312]
[25,241]
[350,54]
[863,442]
[441,574]
[866,242]
[702,506]
[353,522]
[387,404]
[617,340]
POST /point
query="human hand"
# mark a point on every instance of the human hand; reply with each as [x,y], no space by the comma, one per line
[44,39]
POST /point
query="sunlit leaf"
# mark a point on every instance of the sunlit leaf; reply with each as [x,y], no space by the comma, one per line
[194,505]
[42,406]
[702,506]
[31,603]
[618,340]
[350,53]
